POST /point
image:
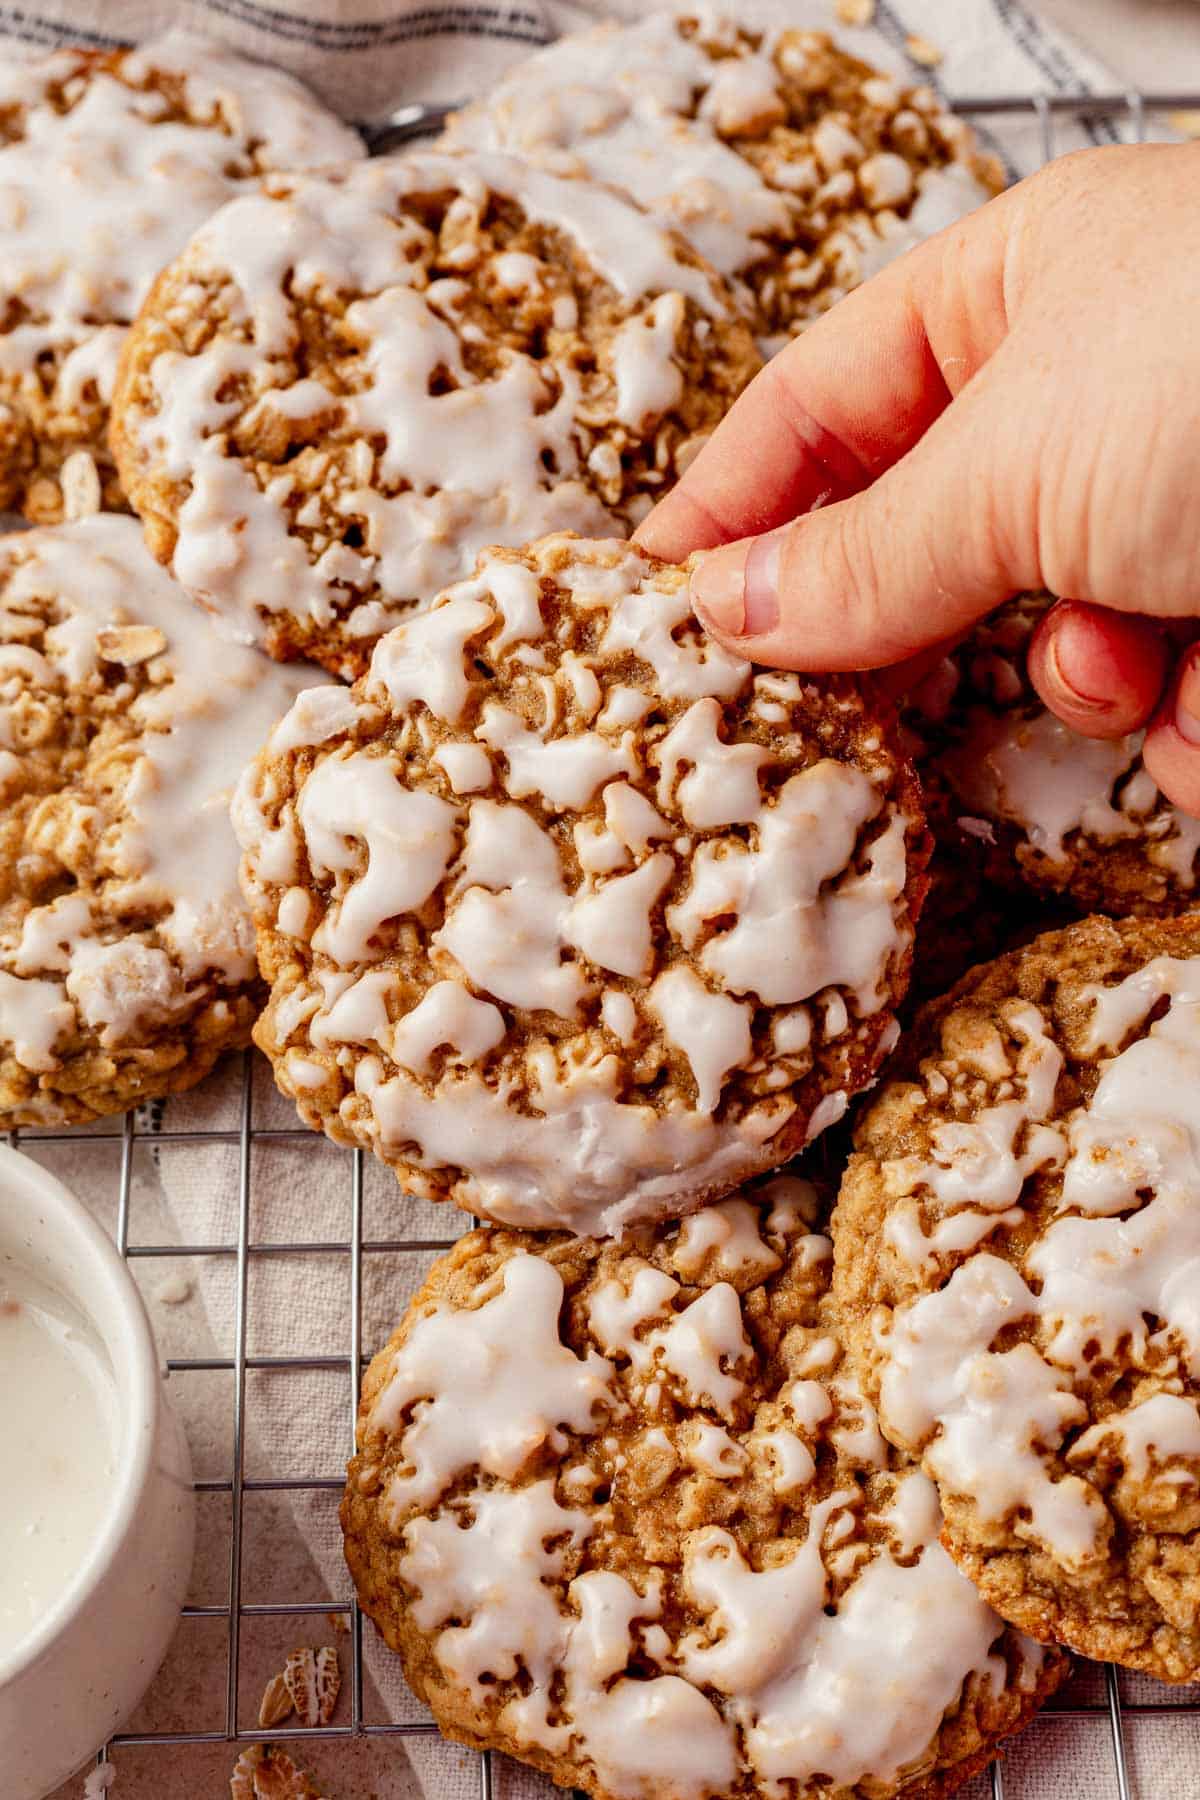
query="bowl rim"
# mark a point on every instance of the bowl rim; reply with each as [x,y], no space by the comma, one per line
[129,1344]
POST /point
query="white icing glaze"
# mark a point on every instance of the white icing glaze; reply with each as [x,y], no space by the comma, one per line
[506,924]
[491,1569]
[615,1313]
[468,768]
[565,772]
[619,1015]
[794,891]
[790,1458]
[1124,1250]
[582,1159]
[1046,778]
[33,1017]
[907,1636]
[408,835]
[446,1015]
[696,1343]
[977,1168]
[646,106]
[55,1378]
[611,924]
[722,786]
[649,381]
[466,460]
[97,198]
[711,1030]
[488,1387]
[793,936]
[173,849]
[1160,1429]
[1039,775]
[495,1570]
[355,1013]
[422,659]
[710,1449]
[316,715]
[729,1233]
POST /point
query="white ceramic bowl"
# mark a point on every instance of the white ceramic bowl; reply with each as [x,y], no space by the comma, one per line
[78,1676]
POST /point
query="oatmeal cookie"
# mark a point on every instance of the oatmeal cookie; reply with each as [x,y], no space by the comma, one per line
[350,384]
[624,1514]
[1030,804]
[1017,1270]
[568,914]
[796,169]
[126,953]
[109,160]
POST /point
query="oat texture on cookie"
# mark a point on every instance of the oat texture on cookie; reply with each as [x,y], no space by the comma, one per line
[126,953]
[624,1513]
[795,168]
[568,914]
[1028,803]
[350,384]
[1017,1272]
[109,160]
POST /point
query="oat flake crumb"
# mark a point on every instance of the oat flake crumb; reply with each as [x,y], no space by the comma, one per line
[922,51]
[174,1290]
[314,1679]
[854,12]
[275,1704]
[99,1781]
[79,479]
[264,1773]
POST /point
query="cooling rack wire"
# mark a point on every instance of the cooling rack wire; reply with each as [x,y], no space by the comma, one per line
[1108,1704]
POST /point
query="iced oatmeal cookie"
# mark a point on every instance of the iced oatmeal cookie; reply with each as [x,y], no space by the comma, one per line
[350,384]
[1026,802]
[109,160]
[569,915]
[126,953]
[625,1514]
[1016,1278]
[796,169]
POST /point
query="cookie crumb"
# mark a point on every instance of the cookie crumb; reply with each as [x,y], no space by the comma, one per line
[80,483]
[264,1773]
[130,644]
[174,1291]
[922,51]
[313,1679]
[1187,124]
[855,12]
[275,1704]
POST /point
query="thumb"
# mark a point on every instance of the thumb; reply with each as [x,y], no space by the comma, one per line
[929,548]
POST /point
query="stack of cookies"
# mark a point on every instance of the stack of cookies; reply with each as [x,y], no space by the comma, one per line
[682,1476]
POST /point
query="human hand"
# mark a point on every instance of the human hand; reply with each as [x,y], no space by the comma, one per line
[1015,404]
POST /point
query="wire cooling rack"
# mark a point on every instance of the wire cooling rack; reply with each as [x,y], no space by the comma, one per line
[1108,1703]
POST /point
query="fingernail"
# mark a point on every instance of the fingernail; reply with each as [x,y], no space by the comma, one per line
[1072,689]
[736,590]
[1187,704]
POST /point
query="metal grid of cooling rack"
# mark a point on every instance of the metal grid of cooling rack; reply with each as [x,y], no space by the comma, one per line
[1132,110]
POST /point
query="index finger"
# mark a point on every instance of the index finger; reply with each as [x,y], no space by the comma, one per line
[848,398]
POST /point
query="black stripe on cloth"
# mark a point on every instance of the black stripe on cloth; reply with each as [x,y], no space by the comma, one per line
[341,37]
[1050,61]
[897,32]
[50,34]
